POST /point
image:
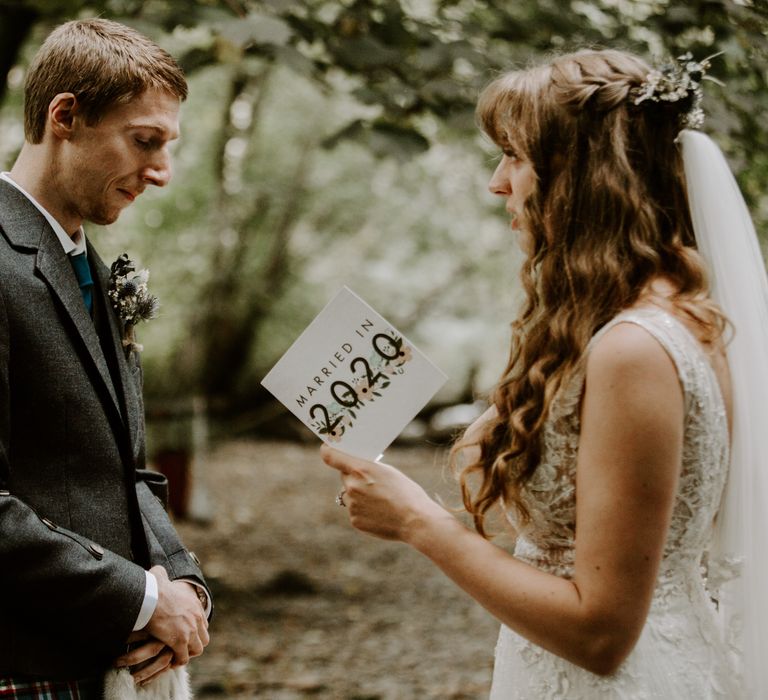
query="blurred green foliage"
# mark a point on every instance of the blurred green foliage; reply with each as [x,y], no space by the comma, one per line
[331,143]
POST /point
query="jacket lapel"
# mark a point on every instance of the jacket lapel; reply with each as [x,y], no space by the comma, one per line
[55,268]
[27,228]
[128,386]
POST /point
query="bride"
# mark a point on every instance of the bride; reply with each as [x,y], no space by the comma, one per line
[633,379]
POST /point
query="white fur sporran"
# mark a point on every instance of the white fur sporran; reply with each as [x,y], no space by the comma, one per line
[171,685]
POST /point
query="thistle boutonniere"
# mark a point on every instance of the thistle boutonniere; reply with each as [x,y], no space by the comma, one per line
[131,299]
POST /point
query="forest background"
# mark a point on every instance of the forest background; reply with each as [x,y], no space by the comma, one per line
[327,144]
[332,143]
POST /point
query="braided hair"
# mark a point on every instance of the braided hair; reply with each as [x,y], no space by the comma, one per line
[608,214]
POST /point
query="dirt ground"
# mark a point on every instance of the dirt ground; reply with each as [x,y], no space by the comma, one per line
[308,607]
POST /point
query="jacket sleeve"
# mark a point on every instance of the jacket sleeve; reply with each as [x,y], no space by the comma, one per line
[165,546]
[54,577]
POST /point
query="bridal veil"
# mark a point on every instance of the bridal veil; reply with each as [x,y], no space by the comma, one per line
[738,557]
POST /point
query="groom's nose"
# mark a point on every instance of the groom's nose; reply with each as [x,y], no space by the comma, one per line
[159,170]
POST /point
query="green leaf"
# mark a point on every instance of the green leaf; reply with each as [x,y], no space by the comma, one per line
[400,142]
[352,131]
[255,28]
[365,53]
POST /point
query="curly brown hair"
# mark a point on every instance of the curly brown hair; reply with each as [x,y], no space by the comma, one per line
[608,214]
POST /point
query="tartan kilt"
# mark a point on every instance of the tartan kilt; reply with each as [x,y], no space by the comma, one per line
[28,689]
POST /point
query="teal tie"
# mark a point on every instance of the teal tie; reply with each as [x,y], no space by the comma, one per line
[84,279]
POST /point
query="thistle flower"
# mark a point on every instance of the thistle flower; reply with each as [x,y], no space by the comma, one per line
[131,299]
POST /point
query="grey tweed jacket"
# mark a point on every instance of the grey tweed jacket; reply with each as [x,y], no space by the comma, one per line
[80,519]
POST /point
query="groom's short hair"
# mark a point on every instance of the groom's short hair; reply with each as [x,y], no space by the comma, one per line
[103,63]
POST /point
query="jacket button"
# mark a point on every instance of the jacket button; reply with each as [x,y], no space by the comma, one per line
[96,550]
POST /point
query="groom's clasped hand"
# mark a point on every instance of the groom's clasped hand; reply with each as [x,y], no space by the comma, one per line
[176,632]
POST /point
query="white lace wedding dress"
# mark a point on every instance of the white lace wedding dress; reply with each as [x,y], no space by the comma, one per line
[680,655]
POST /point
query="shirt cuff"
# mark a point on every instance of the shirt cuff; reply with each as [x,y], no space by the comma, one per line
[149,604]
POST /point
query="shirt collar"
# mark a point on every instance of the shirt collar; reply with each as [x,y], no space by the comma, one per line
[73,245]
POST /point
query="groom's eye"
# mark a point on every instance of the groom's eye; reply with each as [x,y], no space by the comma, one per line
[143,143]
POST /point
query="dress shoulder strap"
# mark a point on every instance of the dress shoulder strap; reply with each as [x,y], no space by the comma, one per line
[696,374]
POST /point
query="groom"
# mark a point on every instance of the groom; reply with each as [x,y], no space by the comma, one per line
[89,561]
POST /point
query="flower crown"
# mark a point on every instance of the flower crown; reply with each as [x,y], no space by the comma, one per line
[678,79]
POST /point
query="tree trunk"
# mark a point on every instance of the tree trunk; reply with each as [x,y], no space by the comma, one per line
[16,22]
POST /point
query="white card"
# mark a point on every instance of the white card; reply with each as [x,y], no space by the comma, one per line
[353,378]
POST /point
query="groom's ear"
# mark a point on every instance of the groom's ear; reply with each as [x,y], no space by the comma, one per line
[61,115]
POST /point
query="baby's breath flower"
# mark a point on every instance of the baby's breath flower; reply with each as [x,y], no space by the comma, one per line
[677,80]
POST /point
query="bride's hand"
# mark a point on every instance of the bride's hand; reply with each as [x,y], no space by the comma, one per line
[381,500]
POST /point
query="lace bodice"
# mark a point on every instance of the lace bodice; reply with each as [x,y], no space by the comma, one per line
[547,541]
[681,614]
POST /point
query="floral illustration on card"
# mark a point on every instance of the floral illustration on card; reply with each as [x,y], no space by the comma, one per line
[371,376]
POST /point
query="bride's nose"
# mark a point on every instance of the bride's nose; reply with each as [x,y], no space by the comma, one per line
[499,182]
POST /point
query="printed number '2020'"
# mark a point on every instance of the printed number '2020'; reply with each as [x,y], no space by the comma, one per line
[386,347]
